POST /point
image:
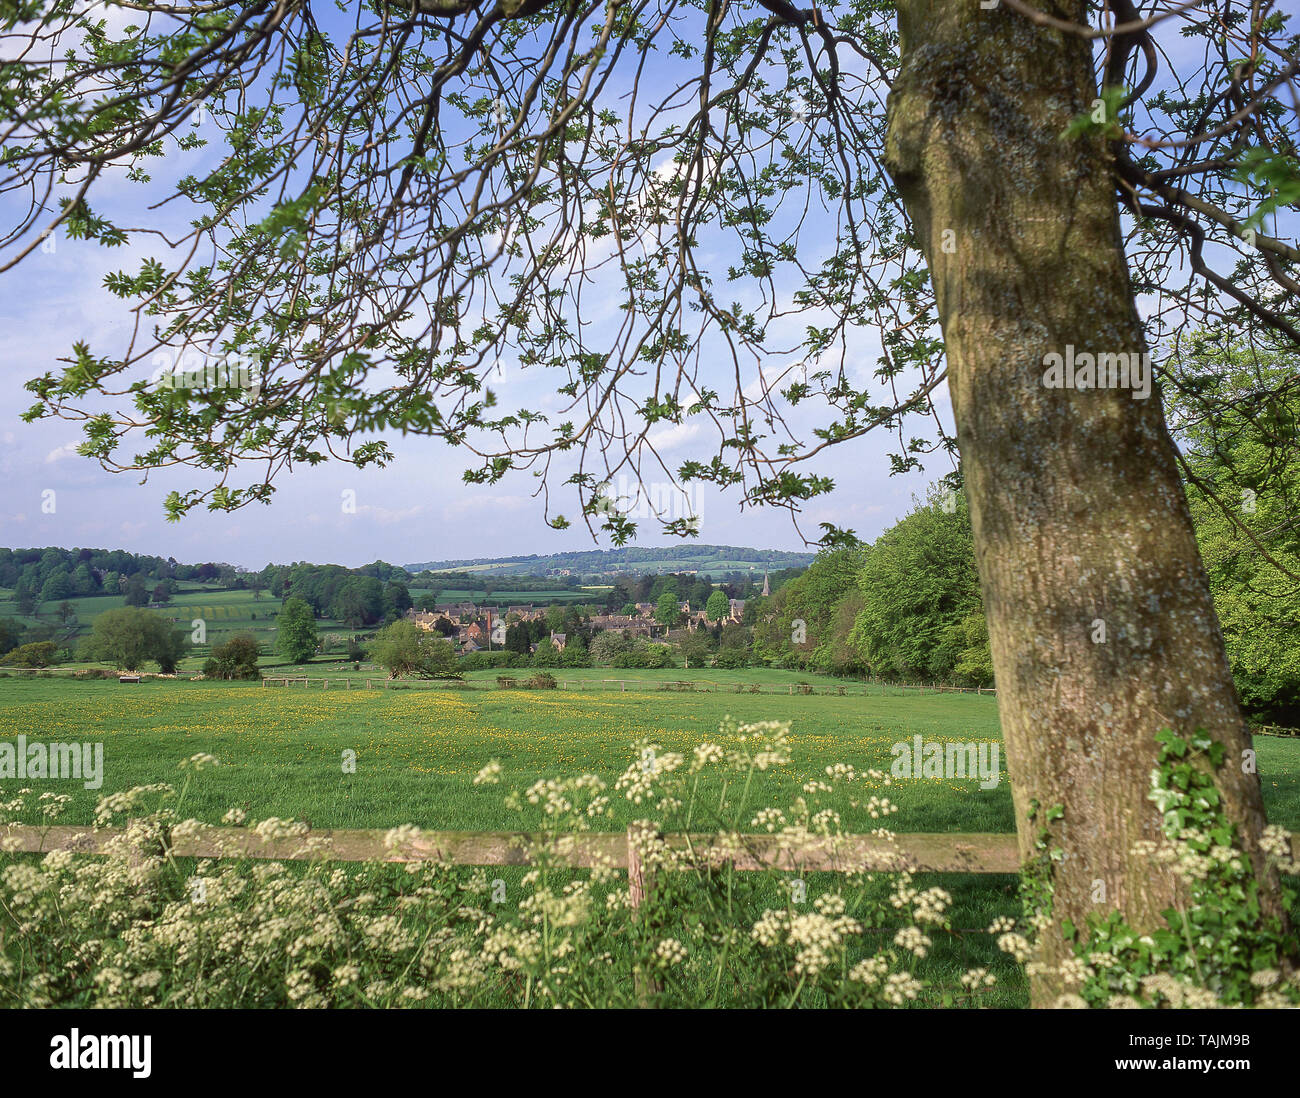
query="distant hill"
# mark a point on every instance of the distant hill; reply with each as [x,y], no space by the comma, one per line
[711,559]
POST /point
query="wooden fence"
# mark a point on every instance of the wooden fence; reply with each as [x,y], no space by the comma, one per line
[701,686]
[954,852]
[916,852]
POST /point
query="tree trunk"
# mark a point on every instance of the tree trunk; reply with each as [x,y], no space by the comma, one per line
[1079,517]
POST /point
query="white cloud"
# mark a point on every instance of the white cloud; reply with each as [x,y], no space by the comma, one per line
[67,450]
[386,517]
[475,505]
[667,439]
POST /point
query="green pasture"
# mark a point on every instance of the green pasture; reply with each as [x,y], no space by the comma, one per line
[281,752]
[417,750]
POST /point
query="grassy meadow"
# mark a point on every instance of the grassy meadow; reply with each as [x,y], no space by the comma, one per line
[419,748]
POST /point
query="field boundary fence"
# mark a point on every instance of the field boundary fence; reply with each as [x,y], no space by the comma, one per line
[913,852]
[702,686]
[940,852]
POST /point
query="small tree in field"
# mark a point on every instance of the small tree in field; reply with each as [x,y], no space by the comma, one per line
[295,635]
[136,593]
[404,650]
[236,659]
[39,654]
[129,636]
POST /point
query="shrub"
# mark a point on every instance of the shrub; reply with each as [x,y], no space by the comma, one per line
[39,654]
[129,636]
[732,659]
[404,649]
[236,659]
[540,680]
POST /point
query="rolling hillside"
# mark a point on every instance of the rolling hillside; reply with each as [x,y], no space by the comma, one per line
[706,559]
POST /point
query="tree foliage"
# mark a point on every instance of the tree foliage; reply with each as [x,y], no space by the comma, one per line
[128,636]
[295,631]
[405,650]
[1241,441]
[235,659]
[420,193]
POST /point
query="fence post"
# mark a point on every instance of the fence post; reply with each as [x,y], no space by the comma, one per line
[635,873]
[645,985]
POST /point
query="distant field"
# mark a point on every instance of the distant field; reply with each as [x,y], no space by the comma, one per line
[561,594]
[225,613]
[703,560]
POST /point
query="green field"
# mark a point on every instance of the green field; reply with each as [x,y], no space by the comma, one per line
[224,612]
[417,751]
[481,598]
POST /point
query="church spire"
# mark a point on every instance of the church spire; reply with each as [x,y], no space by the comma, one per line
[767,588]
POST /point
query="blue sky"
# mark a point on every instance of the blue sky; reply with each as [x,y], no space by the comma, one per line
[416,509]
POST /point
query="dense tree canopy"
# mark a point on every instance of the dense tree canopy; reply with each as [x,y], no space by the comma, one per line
[128,636]
[295,631]
[439,186]
[1243,473]
[405,650]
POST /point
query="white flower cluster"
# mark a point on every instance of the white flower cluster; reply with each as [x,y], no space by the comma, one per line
[489,775]
[762,745]
[398,838]
[273,828]
[816,938]
[914,940]
[975,978]
[128,801]
[706,754]
[768,819]
[570,799]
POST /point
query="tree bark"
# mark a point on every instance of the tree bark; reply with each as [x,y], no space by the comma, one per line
[1078,511]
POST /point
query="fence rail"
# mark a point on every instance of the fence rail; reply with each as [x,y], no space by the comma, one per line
[976,852]
[918,852]
[701,686]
